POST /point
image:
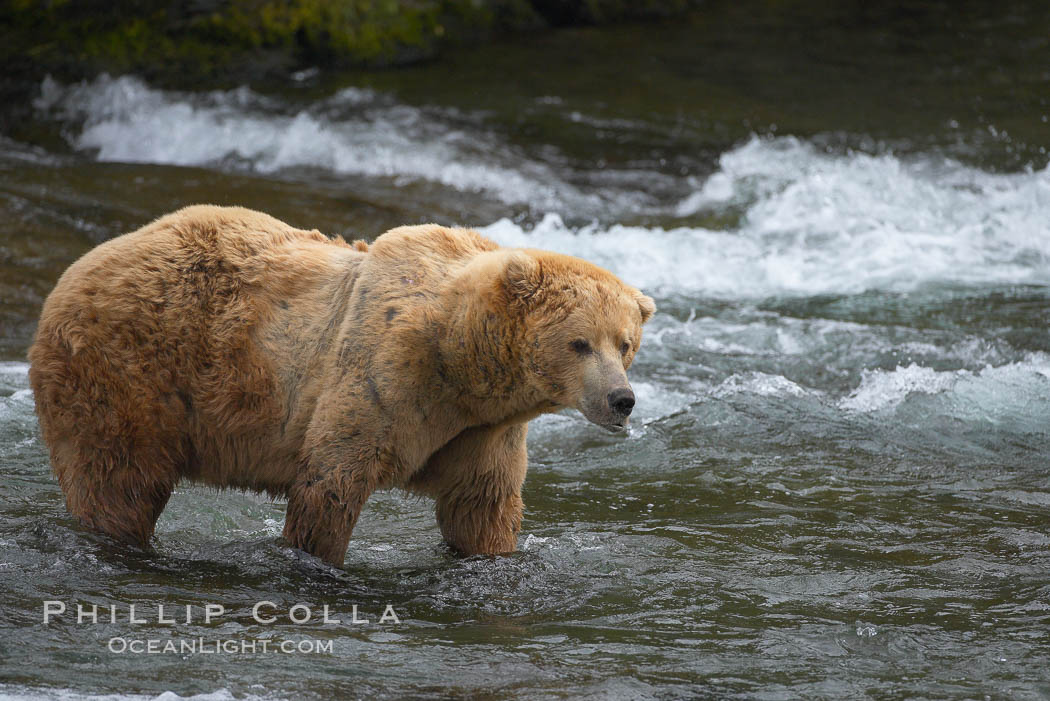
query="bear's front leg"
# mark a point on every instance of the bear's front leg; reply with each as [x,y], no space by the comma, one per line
[323,507]
[476,479]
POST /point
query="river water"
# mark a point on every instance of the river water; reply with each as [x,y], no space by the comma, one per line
[837,482]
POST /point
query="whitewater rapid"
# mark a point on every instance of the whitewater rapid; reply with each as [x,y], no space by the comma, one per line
[798,220]
[802,220]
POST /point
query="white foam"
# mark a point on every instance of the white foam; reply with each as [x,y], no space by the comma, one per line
[657,401]
[761,384]
[533,541]
[1018,393]
[809,342]
[819,223]
[880,389]
[812,221]
[718,189]
[352,132]
[14,377]
[13,369]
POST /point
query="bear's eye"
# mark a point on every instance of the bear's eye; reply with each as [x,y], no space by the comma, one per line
[581,346]
[625,347]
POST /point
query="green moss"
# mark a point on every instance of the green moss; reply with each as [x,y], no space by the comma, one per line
[207,39]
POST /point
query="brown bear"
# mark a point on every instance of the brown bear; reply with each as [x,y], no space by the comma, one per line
[223,346]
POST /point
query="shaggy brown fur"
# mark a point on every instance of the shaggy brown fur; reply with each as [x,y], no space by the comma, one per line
[222,346]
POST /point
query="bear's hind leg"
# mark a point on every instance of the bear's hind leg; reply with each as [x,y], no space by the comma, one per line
[119,495]
[111,419]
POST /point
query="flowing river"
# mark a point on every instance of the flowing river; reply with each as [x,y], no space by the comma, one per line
[838,480]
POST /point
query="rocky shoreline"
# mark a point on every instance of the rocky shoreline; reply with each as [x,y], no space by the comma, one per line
[222,41]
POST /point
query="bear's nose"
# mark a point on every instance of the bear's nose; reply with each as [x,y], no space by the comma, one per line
[622,401]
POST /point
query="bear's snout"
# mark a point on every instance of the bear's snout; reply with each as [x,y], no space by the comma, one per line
[621,401]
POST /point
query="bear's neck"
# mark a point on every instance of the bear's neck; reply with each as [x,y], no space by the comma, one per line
[485,361]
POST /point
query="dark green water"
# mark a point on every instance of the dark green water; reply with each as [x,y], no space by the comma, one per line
[838,483]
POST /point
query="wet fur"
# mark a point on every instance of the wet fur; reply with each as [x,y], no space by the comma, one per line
[223,346]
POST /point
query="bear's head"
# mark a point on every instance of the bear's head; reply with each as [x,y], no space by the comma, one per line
[582,327]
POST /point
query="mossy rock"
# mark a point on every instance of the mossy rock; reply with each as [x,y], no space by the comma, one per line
[212,41]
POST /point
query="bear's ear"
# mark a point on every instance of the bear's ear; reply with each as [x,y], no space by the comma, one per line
[522,276]
[646,305]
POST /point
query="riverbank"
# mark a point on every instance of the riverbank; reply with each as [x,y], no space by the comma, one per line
[211,44]
[213,41]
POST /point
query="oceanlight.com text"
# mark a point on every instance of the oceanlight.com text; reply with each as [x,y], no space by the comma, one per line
[219,646]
